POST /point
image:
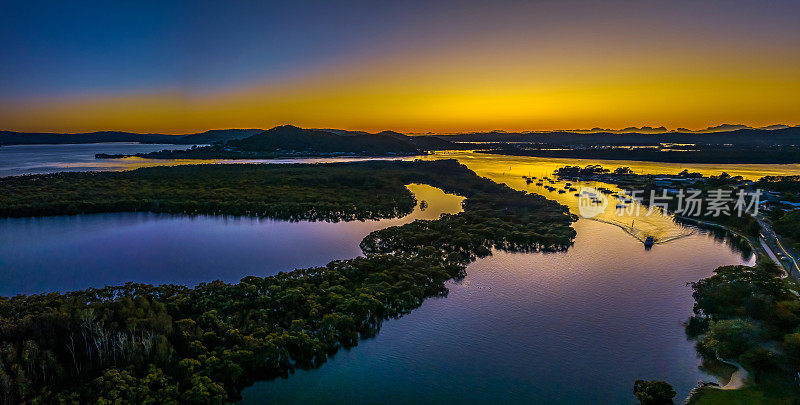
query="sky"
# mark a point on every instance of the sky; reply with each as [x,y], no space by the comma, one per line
[410,66]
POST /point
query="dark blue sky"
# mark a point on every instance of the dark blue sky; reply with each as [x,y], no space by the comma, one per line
[415,65]
[78,46]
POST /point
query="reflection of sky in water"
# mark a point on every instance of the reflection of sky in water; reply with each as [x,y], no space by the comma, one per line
[36,159]
[637,220]
[21,159]
[79,251]
[574,327]
[507,169]
[570,327]
[545,166]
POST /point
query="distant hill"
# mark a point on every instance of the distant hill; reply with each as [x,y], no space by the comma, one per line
[207,137]
[217,135]
[34,138]
[291,141]
[734,127]
[739,137]
[662,129]
[725,128]
[341,132]
[776,126]
[288,138]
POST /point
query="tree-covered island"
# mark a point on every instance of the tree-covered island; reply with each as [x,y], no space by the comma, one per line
[179,344]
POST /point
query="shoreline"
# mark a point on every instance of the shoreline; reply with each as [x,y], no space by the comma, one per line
[687,160]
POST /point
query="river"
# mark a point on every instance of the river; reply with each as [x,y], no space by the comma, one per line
[577,327]
[570,327]
[72,252]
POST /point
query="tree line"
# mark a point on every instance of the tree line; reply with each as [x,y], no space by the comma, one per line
[179,344]
[751,316]
[292,192]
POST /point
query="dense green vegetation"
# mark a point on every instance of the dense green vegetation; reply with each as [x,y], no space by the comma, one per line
[589,170]
[653,392]
[176,344]
[750,315]
[785,218]
[785,184]
[788,225]
[342,192]
[746,315]
[743,396]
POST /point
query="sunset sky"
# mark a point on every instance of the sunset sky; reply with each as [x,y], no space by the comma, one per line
[412,66]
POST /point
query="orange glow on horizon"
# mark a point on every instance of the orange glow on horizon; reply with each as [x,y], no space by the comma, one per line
[453,91]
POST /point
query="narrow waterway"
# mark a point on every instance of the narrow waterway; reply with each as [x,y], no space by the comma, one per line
[571,327]
[576,327]
[78,251]
[561,328]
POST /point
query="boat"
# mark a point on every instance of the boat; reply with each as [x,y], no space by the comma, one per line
[562,191]
[649,241]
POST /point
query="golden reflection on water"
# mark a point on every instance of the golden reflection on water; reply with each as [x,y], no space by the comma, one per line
[437,201]
[546,166]
[133,162]
[636,220]
[483,162]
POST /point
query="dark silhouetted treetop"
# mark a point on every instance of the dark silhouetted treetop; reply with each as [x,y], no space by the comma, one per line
[201,345]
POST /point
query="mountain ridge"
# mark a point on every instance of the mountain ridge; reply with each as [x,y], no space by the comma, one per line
[38,138]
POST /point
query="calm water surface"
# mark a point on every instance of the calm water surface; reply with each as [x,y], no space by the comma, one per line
[559,328]
[567,328]
[79,251]
[572,327]
[523,165]
[27,159]
[37,159]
